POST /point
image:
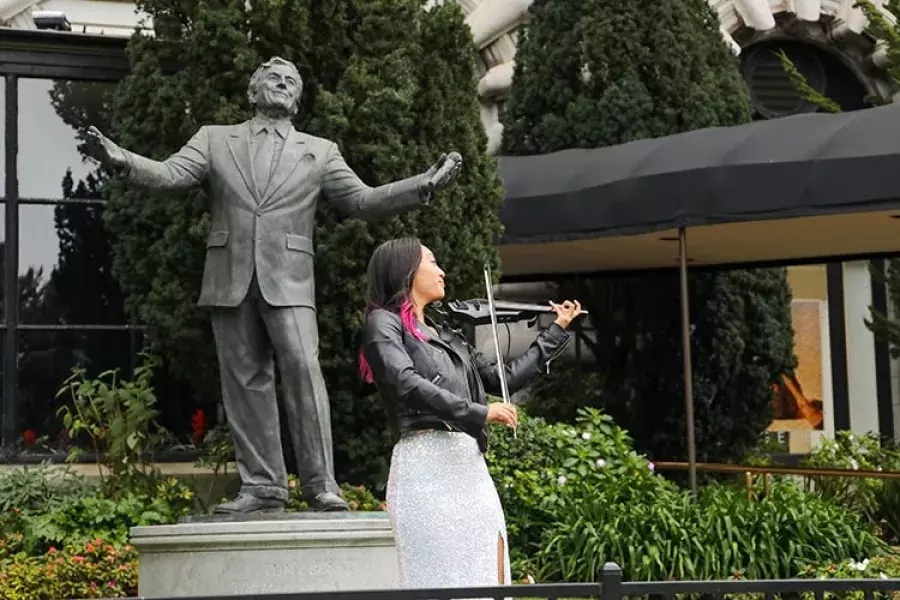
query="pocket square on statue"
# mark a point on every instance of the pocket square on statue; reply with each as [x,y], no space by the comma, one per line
[308,157]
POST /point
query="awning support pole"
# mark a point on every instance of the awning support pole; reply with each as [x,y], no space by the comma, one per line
[688,369]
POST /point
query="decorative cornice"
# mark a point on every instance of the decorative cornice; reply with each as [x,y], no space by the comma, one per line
[54,54]
[836,23]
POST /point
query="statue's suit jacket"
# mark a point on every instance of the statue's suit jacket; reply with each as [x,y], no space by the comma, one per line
[271,234]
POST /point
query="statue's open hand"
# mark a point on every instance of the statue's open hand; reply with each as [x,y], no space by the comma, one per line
[110,151]
[444,172]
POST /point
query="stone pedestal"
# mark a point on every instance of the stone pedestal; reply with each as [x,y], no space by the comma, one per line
[293,552]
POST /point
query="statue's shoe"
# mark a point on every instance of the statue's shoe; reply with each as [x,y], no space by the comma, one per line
[328,502]
[245,503]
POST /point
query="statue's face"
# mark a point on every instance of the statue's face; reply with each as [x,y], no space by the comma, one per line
[278,88]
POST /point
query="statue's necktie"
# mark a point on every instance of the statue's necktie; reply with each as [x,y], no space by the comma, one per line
[262,164]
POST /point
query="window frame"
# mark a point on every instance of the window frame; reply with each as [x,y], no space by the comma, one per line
[30,54]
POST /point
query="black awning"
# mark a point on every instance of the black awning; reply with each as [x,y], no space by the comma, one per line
[802,187]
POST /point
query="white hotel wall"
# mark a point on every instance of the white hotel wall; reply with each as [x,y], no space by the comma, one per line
[106,17]
[860,348]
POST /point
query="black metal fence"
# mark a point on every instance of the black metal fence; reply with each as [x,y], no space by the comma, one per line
[611,587]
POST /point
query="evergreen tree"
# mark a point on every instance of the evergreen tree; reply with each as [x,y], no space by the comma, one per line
[592,73]
[368,70]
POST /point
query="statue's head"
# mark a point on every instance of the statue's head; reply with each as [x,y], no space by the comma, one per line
[275,87]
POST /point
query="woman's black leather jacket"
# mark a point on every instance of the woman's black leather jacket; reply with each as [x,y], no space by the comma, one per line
[441,383]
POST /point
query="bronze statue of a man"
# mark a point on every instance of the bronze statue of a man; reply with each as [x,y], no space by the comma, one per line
[264,180]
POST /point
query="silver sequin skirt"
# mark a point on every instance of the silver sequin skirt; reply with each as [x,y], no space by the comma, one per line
[445,512]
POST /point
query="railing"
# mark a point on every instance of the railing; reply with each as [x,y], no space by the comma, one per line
[777,470]
[751,471]
[611,587]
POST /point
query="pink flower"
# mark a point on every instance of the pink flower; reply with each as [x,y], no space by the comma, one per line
[651,466]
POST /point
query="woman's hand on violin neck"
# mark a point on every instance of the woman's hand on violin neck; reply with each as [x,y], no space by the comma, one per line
[566,312]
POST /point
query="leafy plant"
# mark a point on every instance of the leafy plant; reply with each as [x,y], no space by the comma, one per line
[95,569]
[84,518]
[117,416]
[96,516]
[40,488]
[877,500]
[218,453]
[577,496]
[879,567]
[358,497]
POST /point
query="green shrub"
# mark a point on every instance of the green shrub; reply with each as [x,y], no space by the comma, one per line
[358,497]
[880,567]
[37,488]
[95,569]
[100,517]
[536,471]
[83,518]
[876,500]
[118,418]
[577,496]
[568,386]
[778,535]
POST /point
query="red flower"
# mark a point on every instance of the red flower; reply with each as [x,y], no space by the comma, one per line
[198,425]
[30,438]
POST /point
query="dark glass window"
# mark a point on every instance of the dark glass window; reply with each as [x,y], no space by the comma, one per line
[65,265]
[46,359]
[53,119]
[71,310]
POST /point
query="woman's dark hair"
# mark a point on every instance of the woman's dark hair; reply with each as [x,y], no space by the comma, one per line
[390,275]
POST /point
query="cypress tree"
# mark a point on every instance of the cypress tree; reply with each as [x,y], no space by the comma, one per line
[407,95]
[593,73]
[371,73]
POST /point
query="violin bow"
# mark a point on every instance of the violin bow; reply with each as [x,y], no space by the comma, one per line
[501,370]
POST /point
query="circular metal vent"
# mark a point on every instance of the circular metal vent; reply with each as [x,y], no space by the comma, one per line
[772,92]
